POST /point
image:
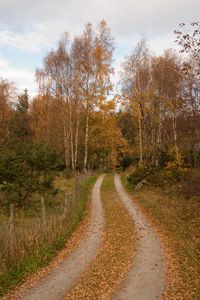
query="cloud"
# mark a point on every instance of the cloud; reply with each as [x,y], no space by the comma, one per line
[27,41]
[22,78]
[39,23]
[131,12]
[34,27]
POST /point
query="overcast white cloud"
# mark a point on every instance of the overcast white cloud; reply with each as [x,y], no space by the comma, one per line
[30,41]
[29,26]
[21,77]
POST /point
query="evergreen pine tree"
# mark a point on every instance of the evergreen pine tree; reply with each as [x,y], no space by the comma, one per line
[23,105]
[21,123]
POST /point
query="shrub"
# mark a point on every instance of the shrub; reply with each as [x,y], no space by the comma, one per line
[138,175]
[25,169]
[176,160]
[126,161]
[190,184]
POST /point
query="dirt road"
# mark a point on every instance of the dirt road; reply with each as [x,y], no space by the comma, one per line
[57,284]
[145,281]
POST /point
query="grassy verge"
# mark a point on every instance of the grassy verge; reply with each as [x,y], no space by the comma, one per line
[115,255]
[42,246]
[179,219]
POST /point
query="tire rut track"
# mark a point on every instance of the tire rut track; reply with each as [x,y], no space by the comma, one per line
[145,280]
[58,283]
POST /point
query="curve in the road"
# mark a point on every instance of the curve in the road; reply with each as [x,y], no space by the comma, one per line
[145,281]
[58,283]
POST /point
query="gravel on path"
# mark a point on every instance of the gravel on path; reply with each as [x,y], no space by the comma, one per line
[145,280]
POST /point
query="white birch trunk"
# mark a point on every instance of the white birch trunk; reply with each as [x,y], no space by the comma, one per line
[71,137]
[140,138]
[77,136]
[86,143]
[65,145]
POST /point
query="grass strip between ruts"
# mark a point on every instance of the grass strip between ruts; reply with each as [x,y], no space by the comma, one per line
[115,255]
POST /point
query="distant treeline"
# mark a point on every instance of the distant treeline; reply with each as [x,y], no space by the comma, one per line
[159,118]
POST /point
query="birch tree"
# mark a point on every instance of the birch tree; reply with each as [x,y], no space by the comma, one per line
[6,96]
[96,51]
[58,79]
[135,83]
[152,86]
[77,75]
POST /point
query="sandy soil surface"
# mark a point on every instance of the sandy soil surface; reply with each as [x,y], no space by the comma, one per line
[58,283]
[145,281]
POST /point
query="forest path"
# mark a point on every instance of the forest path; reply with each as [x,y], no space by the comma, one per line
[57,284]
[145,280]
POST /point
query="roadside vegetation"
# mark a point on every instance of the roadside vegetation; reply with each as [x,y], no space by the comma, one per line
[172,200]
[36,238]
[116,253]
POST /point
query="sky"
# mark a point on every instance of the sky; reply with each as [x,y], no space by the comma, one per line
[30,28]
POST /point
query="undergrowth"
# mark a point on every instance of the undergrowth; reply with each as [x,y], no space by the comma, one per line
[40,246]
[178,214]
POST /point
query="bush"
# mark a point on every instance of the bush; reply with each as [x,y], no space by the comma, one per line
[158,177]
[127,161]
[190,184]
[175,159]
[138,175]
[25,169]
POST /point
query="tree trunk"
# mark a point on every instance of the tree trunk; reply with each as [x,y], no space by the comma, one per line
[71,137]
[65,145]
[86,143]
[175,130]
[140,139]
[77,136]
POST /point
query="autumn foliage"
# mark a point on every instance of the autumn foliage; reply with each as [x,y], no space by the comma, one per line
[154,120]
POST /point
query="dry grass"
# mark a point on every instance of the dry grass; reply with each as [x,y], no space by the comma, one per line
[28,236]
[33,242]
[70,246]
[115,256]
[30,231]
[178,218]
